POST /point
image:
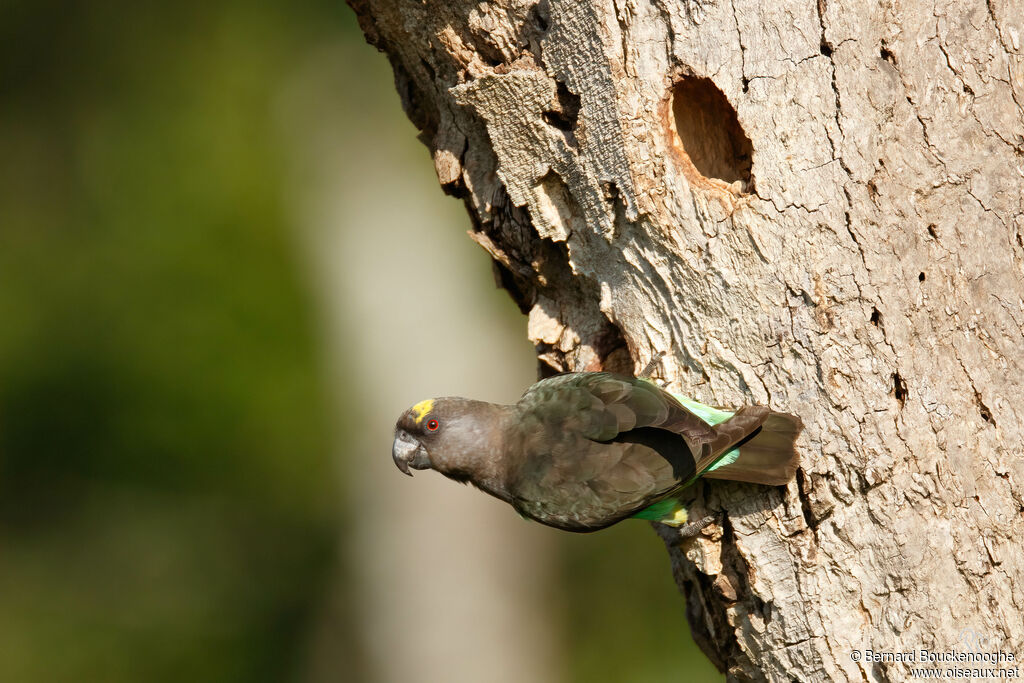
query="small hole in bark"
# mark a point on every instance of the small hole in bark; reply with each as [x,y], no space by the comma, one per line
[804,487]
[490,58]
[612,351]
[876,317]
[920,277]
[542,15]
[709,137]
[1020,240]
[558,120]
[566,113]
[826,49]
[931,231]
[610,192]
[885,54]
[983,410]
[899,388]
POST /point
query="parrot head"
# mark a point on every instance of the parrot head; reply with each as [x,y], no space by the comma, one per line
[454,436]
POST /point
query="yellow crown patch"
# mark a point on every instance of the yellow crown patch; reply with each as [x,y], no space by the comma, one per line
[421,409]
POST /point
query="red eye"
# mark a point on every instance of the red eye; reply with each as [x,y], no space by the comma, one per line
[432,425]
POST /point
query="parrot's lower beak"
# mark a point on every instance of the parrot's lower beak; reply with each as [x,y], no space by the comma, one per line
[408,452]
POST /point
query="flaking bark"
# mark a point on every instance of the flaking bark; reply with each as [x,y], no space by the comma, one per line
[807,206]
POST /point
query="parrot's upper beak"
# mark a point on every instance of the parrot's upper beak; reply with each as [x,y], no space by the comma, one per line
[408,452]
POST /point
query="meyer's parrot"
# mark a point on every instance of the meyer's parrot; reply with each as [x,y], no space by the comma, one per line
[583,451]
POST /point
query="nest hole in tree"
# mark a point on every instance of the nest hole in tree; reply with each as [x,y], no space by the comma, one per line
[709,136]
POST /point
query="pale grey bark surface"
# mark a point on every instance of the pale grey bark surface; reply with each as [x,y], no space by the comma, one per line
[809,206]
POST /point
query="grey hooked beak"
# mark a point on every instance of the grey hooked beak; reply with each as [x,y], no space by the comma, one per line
[408,452]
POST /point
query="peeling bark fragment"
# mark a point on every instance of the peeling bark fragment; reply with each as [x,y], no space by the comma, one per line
[805,204]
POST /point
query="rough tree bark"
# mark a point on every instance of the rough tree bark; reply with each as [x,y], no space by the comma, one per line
[805,205]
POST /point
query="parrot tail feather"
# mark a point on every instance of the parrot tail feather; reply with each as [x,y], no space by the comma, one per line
[768,457]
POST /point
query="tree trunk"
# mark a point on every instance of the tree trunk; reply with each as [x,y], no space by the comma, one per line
[806,206]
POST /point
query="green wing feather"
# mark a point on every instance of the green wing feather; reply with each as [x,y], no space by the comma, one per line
[658,511]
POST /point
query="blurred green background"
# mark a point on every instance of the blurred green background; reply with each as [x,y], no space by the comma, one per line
[202,209]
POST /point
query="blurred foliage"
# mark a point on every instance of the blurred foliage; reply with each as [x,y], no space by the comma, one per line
[167,496]
[626,619]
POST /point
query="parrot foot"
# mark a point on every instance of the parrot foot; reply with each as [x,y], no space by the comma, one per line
[651,366]
[692,529]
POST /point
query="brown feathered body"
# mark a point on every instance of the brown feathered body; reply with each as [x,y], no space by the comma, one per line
[583,451]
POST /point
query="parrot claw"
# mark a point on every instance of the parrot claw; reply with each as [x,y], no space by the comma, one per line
[652,365]
[692,529]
